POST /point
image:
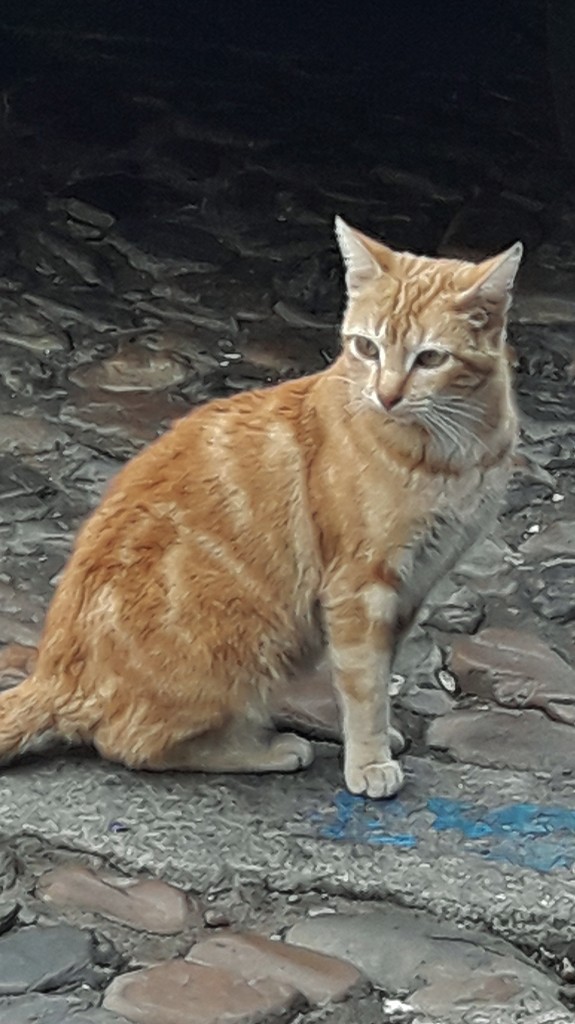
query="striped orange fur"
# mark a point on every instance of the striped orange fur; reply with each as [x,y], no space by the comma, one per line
[308,519]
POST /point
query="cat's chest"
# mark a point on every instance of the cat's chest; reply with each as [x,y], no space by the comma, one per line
[458,513]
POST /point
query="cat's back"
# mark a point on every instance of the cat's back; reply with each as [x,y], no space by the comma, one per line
[236,445]
[225,488]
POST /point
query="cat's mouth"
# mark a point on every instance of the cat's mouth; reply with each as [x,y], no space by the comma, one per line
[395,407]
[447,421]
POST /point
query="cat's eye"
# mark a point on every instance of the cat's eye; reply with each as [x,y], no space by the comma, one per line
[365,347]
[429,358]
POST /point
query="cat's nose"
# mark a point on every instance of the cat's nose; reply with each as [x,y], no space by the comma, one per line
[389,399]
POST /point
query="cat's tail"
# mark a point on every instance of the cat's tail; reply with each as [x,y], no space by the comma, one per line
[26,710]
[26,719]
[17,658]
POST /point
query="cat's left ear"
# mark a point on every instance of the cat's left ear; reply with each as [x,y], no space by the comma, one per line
[364,258]
[493,282]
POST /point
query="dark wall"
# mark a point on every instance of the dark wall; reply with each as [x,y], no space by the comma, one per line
[445,35]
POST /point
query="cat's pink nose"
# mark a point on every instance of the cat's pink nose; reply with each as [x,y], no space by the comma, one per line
[389,400]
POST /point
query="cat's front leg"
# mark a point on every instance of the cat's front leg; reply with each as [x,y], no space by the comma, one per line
[361,635]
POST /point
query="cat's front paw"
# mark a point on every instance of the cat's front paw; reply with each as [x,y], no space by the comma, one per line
[374,780]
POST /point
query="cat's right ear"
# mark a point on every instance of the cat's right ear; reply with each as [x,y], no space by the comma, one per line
[365,259]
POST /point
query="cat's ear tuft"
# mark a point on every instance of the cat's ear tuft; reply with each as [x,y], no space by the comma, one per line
[365,260]
[493,281]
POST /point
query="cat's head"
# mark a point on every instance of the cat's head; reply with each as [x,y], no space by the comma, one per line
[423,338]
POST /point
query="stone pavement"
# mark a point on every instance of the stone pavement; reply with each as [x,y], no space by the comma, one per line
[167,238]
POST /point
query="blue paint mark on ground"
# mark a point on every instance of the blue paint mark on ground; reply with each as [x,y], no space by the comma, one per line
[353,819]
[528,835]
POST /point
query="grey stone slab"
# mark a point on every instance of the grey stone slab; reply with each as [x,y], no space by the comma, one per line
[441,969]
[522,740]
[515,669]
[40,959]
[556,539]
[52,1009]
[34,1009]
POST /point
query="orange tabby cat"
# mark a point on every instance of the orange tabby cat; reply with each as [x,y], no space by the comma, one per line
[315,514]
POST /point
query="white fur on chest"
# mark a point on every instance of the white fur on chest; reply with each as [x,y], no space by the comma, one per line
[463,510]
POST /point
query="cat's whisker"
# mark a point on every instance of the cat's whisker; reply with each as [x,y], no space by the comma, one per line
[447,429]
[442,434]
[449,424]
[460,429]
[464,418]
[426,420]
[463,414]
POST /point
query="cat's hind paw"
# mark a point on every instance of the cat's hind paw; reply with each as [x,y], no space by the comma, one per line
[396,740]
[375,780]
[290,752]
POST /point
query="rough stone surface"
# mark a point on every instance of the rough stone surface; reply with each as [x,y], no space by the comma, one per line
[145,904]
[187,993]
[22,435]
[440,969]
[9,908]
[320,978]
[132,368]
[8,871]
[476,228]
[462,612]
[552,590]
[122,425]
[515,669]
[556,539]
[509,739]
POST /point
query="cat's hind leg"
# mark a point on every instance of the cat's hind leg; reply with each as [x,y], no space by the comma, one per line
[241,747]
[396,740]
